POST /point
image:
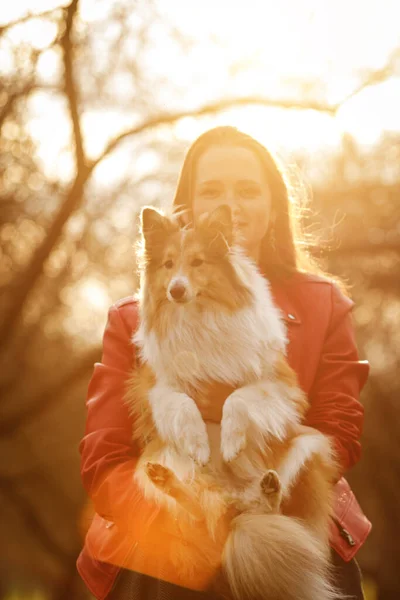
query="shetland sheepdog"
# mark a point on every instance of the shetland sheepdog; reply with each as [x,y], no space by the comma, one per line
[259,484]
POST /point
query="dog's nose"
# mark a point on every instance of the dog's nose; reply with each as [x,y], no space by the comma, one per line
[177,291]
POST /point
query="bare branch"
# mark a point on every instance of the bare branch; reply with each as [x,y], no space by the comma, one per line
[164,119]
[208,109]
[375,77]
[73,199]
[28,17]
[29,87]
[35,267]
[70,88]
[12,99]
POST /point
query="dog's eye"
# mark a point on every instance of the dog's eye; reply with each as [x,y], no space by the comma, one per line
[169,264]
[197,262]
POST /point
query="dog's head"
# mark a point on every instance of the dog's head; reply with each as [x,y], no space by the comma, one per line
[191,266]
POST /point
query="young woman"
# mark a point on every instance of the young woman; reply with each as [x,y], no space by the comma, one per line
[225,166]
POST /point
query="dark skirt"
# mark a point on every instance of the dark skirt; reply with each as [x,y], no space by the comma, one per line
[135,586]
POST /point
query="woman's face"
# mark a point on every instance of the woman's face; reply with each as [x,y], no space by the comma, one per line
[233,175]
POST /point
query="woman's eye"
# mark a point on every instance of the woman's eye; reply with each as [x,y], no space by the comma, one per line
[249,192]
[169,264]
[210,193]
[197,262]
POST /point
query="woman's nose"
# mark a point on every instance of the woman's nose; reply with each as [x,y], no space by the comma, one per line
[236,209]
[232,200]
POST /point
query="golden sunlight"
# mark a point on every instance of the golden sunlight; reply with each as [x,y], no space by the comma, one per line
[94,293]
[309,41]
[270,50]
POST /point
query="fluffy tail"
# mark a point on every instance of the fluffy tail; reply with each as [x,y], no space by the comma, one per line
[274,556]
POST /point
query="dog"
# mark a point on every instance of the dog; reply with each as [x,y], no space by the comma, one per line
[253,493]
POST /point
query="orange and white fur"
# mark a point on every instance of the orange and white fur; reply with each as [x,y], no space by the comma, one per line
[207,317]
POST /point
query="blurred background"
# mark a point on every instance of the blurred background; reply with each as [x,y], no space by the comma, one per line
[99,100]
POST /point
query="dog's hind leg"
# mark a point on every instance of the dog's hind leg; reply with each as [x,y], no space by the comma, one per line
[168,482]
[271,490]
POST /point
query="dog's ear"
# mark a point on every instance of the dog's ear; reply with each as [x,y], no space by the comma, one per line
[154,226]
[151,221]
[217,227]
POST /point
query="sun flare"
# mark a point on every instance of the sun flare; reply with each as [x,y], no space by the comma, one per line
[289,51]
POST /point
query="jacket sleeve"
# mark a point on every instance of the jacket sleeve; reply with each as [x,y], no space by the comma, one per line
[334,398]
[108,456]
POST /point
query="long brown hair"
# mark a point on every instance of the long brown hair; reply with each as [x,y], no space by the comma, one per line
[283,247]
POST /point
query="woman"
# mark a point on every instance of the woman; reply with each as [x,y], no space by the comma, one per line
[225,166]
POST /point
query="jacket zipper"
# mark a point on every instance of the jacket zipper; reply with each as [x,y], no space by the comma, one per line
[346,535]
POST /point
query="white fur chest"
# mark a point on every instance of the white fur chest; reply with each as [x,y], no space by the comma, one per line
[234,348]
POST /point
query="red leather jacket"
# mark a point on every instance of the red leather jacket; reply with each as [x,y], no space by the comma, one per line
[323,353]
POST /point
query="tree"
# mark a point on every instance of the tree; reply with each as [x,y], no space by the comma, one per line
[67,232]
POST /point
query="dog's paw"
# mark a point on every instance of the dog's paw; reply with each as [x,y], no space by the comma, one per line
[271,491]
[193,438]
[234,426]
[270,483]
[160,475]
[231,447]
[195,444]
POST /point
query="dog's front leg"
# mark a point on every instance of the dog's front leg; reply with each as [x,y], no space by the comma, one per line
[234,424]
[179,422]
[265,406]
